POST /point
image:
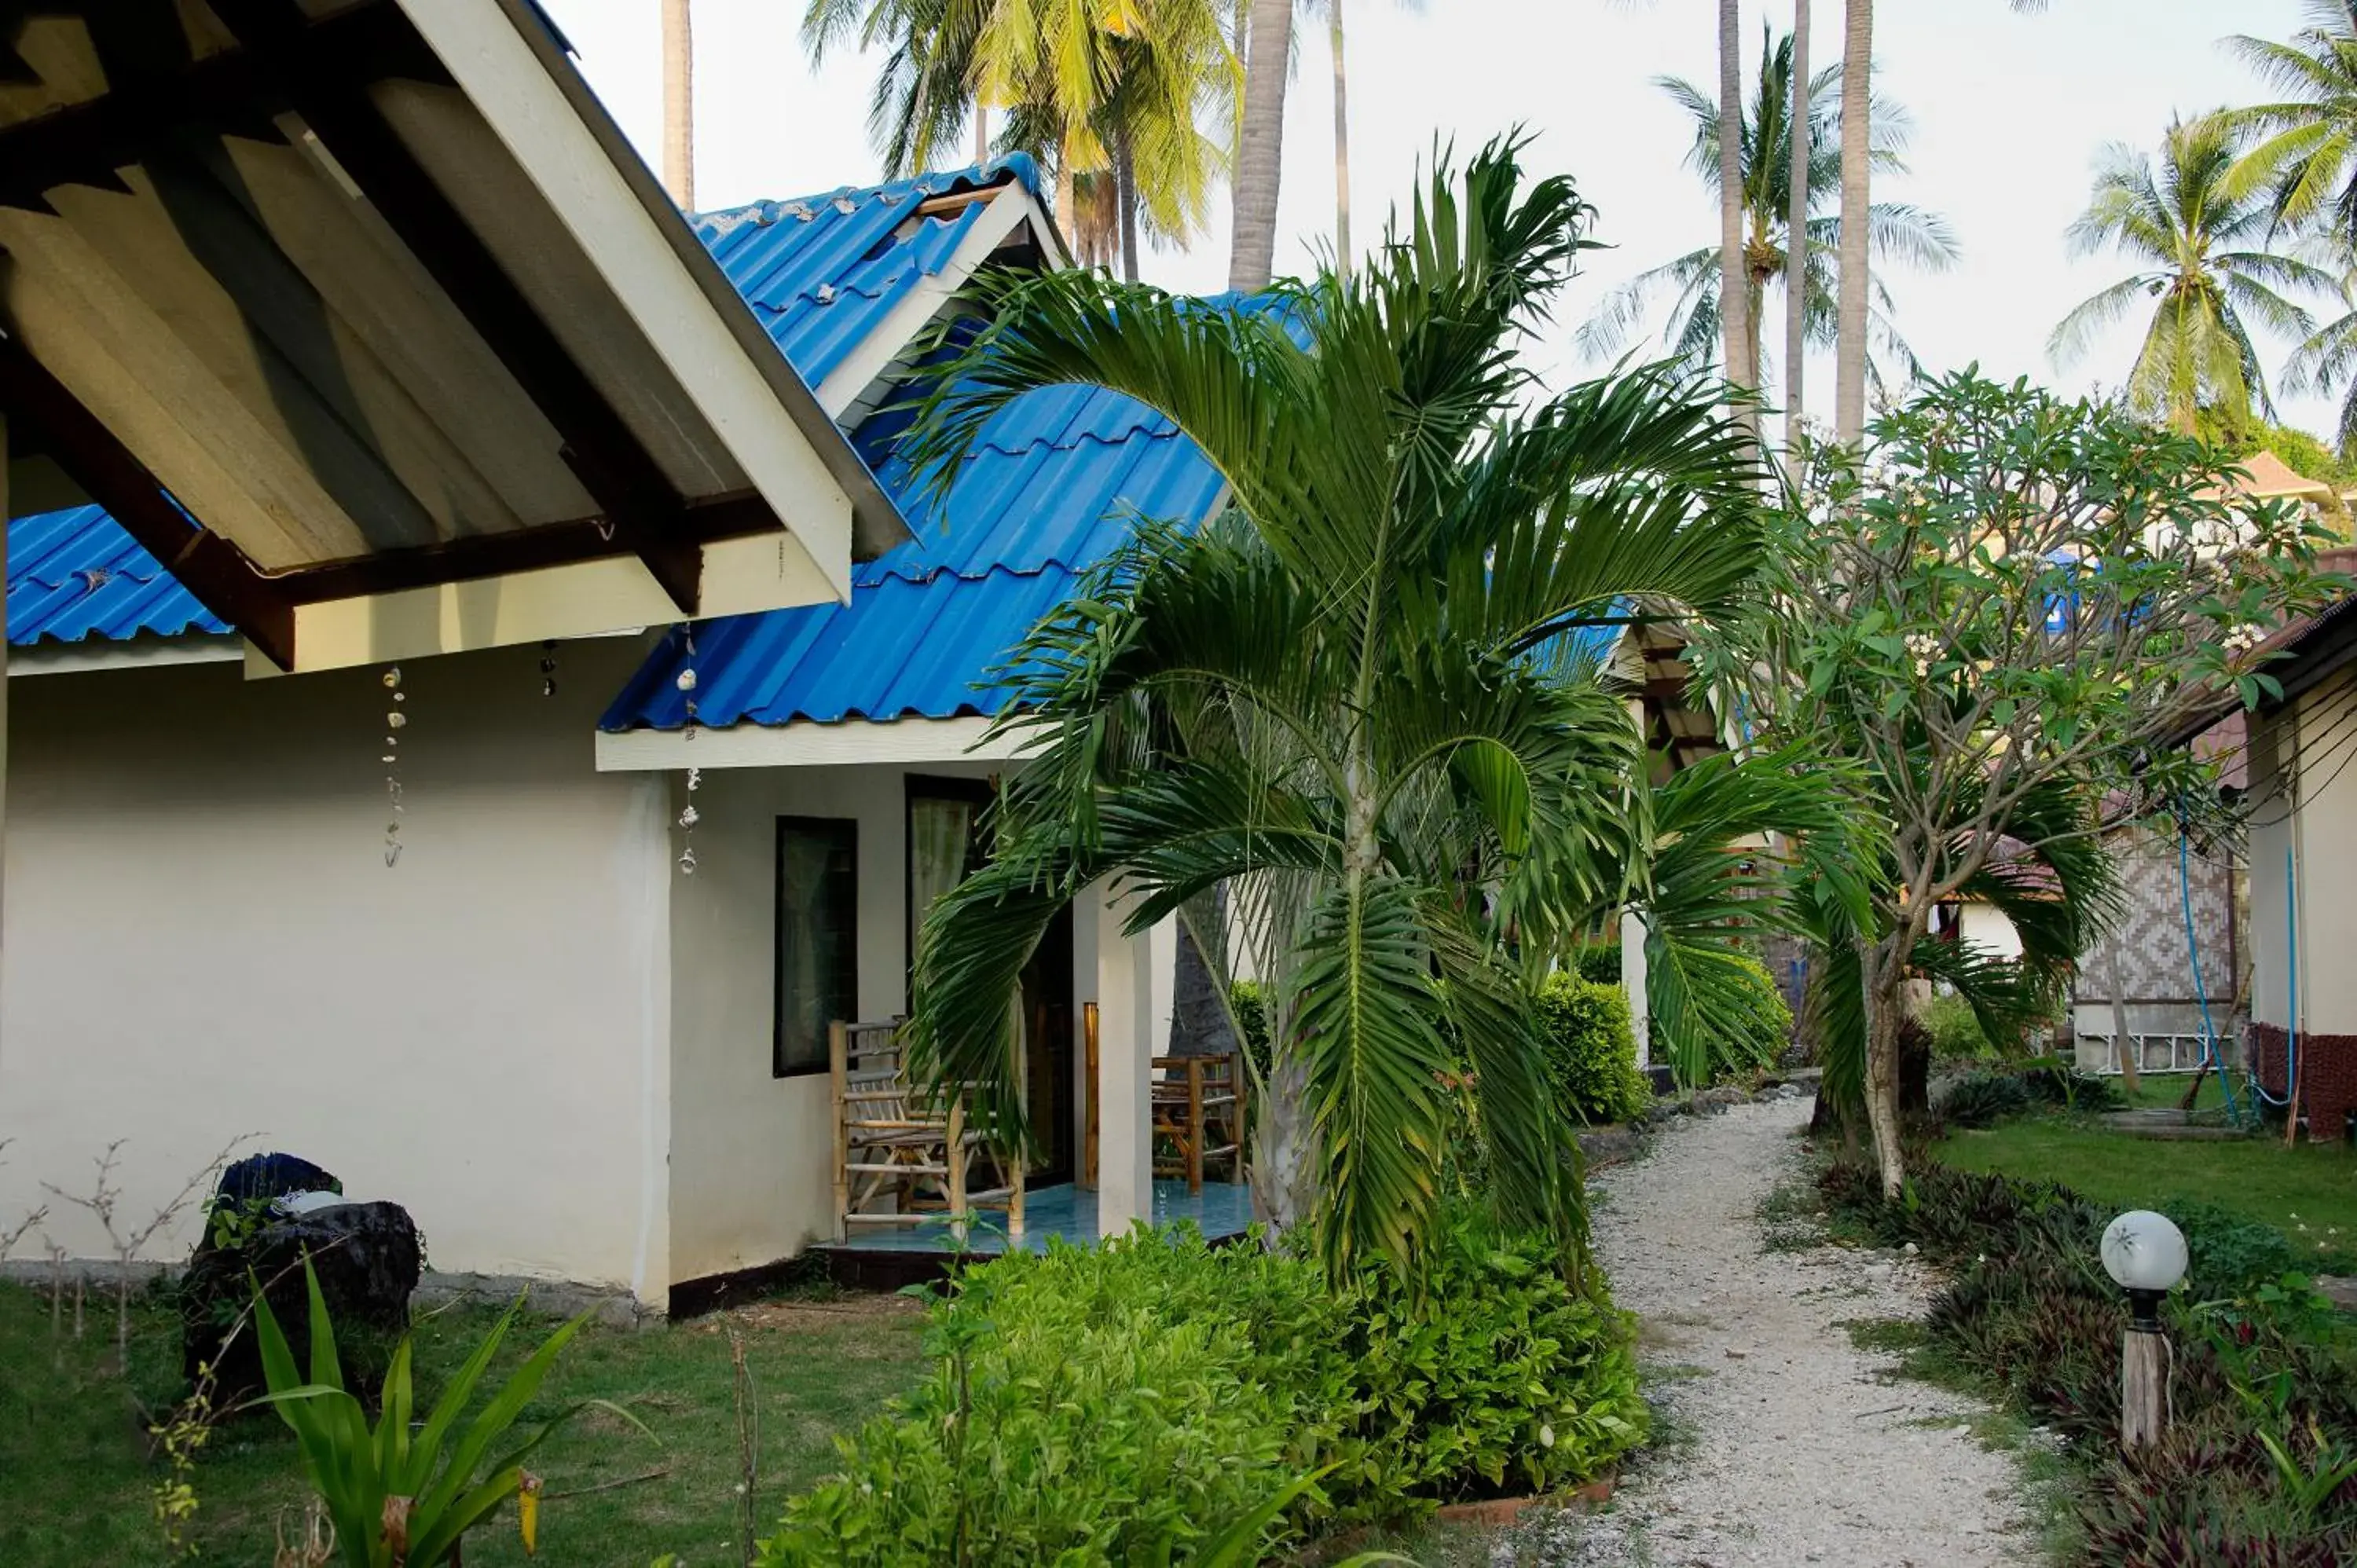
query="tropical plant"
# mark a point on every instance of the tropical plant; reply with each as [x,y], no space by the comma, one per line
[2201,250]
[2001,617]
[1591,1054]
[1112,95]
[1801,154]
[2304,148]
[1694,281]
[396,1495]
[1360,695]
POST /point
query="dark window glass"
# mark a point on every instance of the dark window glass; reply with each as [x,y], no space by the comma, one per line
[818,957]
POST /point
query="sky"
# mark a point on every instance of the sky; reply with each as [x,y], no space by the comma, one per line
[2010,110]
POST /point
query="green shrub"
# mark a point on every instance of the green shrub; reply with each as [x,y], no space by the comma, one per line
[1762,1031]
[1955,1029]
[1114,1405]
[1598,961]
[1984,1099]
[2052,1081]
[1250,1000]
[1590,1051]
[1501,1381]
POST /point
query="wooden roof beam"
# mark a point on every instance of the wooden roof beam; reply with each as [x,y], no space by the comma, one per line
[216,571]
[642,508]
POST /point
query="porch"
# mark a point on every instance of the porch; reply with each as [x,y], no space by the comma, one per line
[906,1255]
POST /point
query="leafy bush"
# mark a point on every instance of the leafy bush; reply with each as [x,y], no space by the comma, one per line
[1761,1032]
[1598,962]
[1250,1000]
[2052,1081]
[1591,1053]
[1984,1099]
[1955,1029]
[1123,1403]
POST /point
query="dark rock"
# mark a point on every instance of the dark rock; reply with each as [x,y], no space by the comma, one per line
[259,1176]
[1610,1145]
[368,1259]
[2340,1291]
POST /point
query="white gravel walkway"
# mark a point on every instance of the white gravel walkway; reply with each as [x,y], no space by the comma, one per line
[1789,1444]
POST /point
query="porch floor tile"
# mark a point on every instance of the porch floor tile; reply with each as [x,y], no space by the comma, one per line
[1224,1208]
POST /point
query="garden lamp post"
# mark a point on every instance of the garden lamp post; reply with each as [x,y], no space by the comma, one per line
[2146,1254]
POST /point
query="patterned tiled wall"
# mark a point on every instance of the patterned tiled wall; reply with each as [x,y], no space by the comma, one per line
[2150,937]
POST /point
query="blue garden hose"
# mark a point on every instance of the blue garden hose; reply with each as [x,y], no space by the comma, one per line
[2201,991]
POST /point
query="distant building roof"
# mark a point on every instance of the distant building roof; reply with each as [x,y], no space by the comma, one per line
[2271,476]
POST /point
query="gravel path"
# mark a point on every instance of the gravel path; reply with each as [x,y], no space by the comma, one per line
[1787,1444]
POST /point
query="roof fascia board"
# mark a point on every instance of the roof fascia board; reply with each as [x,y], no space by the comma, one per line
[872,361]
[852,743]
[739,577]
[692,318]
[48,657]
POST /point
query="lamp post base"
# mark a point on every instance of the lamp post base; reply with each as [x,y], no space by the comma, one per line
[2143,1388]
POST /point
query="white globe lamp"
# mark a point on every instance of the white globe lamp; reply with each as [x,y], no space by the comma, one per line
[2144,1253]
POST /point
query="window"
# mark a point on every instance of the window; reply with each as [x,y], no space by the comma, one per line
[818,955]
[945,841]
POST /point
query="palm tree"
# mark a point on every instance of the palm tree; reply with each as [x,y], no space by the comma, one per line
[1767,174]
[679,105]
[1739,345]
[1853,304]
[1110,94]
[1260,144]
[1351,700]
[2198,242]
[1796,232]
[2305,150]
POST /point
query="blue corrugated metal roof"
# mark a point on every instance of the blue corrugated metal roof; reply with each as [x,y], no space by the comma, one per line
[1055,483]
[75,573]
[820,273]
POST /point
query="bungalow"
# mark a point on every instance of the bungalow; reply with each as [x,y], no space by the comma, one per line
[510,980]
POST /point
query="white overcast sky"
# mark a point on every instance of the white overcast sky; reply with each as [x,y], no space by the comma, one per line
[2008,109]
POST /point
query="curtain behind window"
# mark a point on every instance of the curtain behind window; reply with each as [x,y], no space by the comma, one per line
[940,843]
[817,972]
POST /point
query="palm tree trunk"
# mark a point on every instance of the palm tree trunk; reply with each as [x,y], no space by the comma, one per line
[1885,974]
[1796,230]
[1734,287]
[982,133]
[679,105]
[1068,198]
[1341,147]
[1849,348]
[1260,149]
[1125,193]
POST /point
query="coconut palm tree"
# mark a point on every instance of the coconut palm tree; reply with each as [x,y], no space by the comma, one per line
[1853,304]
[2326,361]
[1349,699]
[1260,144]
[1797,207]
[2304,147]
[1767,175]
[1738,339]
[1110,94]
[2198,242]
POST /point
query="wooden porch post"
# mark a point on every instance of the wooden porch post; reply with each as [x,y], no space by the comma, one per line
[838,1061]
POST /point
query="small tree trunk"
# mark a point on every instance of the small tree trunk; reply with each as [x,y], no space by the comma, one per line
[1885,977]
[1259,146]
[982,133]
[1284,1169]
[679,105]
[1849,352]
[2121,1046]
[1125,193]
[1734,287]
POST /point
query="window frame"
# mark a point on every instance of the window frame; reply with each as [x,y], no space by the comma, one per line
[846,829]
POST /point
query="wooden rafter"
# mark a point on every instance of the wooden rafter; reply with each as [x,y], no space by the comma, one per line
[205,562]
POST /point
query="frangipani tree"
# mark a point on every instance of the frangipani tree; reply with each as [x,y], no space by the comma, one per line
[1347,699]
[2001,615]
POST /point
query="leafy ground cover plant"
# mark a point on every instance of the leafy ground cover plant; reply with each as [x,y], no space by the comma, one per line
[2260,1466]
[1127,1403]
[1984,1099]
[395,1495]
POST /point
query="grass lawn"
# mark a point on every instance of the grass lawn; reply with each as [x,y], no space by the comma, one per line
[75,1473]
[2309,1193]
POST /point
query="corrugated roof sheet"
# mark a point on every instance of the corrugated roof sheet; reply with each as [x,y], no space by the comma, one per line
[822,272]
[1055,483]
[75,573]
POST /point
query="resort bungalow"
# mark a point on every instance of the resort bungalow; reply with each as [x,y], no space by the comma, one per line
[555,970]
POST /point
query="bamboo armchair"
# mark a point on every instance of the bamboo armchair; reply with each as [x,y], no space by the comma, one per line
[904,1155]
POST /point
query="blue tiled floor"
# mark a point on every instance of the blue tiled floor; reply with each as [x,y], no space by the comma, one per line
[1224,1208]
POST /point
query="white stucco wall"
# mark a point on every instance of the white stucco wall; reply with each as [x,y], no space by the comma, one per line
[1986,926]
[750,1177]
[2315,821]
[203,939]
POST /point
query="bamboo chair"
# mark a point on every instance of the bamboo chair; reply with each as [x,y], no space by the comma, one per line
[904,1155]
[1198,1115]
